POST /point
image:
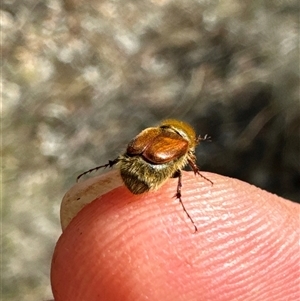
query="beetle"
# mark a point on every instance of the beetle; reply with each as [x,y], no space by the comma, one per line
[157,154]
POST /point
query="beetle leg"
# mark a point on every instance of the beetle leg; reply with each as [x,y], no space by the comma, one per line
[178,196]
[196,170]
[110,163]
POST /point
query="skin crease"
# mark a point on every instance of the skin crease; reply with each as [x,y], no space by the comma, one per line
[142,247]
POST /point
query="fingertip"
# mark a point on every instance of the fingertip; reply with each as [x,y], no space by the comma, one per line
[121,245]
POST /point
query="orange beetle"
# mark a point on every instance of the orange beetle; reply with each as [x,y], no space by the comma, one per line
[155,155]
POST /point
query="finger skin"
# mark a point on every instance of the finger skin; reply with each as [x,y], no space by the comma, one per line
[142,247]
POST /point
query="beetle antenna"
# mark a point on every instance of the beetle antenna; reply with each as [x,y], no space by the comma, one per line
[178,196]
[205,138]
[110,163]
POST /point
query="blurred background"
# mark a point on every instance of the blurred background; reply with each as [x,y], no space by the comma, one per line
[82,78]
